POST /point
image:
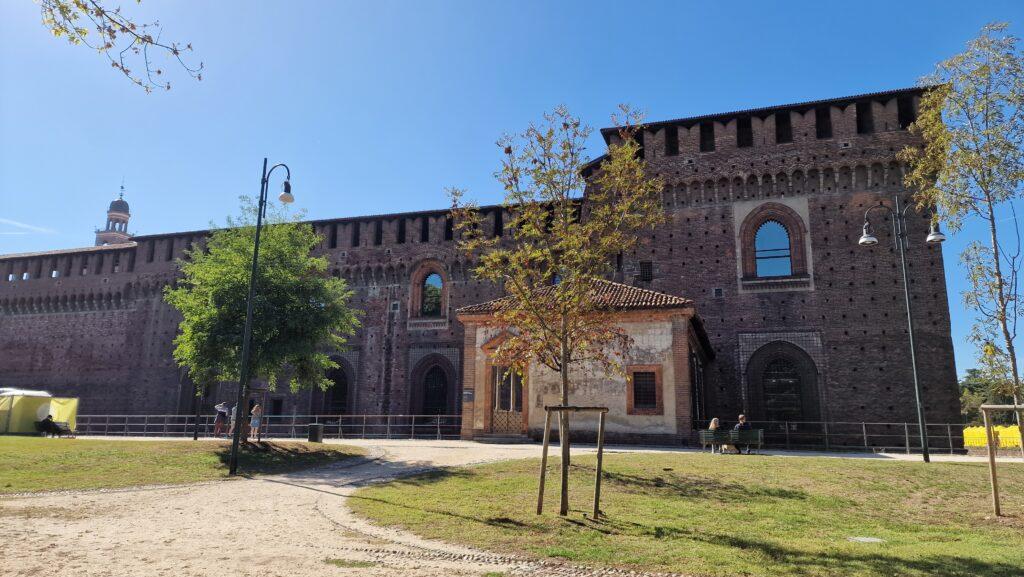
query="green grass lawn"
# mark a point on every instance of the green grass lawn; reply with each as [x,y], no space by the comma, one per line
[40,464]
[727,515]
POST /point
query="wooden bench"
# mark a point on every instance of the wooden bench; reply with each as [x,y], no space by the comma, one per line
[56,428]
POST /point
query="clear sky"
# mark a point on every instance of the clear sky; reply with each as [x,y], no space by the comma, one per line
[377,106]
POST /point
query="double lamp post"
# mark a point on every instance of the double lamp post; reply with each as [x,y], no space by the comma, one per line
[900,237]
[244,373]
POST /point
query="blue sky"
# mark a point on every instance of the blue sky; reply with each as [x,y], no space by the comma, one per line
[377,106]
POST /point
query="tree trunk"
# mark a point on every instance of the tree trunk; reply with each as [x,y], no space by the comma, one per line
[563,437]
[196,404]
[1003,324]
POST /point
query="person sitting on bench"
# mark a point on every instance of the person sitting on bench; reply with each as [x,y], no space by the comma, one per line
[743,425]
[48,427]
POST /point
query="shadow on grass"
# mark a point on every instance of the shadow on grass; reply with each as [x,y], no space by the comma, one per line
[866,563]
[689,487]
[266,457]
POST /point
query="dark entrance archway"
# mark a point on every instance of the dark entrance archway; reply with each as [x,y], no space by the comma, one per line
[434,387]
[782,381]
[435,391]
[338,398]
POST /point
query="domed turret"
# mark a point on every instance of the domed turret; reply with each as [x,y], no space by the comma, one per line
[120,205]
[116,230]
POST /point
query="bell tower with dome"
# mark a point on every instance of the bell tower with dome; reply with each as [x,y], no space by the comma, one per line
[116,230]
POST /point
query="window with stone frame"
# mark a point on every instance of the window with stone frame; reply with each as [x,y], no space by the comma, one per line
[428,291]
[643,391]
[772,244]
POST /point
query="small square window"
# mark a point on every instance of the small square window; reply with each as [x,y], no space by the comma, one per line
[646,273]
[644,391]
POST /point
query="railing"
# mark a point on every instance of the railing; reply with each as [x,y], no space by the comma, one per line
[280,426]
[862,436]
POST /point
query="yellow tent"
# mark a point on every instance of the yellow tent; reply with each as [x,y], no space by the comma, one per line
[19,413]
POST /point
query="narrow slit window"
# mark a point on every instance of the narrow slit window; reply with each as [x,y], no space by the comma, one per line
[499,223]
[378,233]
[355,233]
[744,132]
[823,122]
[783,127]
[865,118]
[905,111]
[707,136]
[671,141]
[425,229]
[401,231]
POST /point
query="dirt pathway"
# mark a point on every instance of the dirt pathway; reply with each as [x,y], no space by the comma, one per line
[293,525]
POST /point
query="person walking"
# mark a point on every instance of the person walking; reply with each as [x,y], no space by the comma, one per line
[221,420]
[254,420]
[234,413]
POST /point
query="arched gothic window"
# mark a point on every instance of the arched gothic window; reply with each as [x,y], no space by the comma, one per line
[771,250]
[772,241]
[428,291]
[430,296]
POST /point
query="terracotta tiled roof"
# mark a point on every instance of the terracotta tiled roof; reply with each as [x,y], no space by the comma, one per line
[618,296]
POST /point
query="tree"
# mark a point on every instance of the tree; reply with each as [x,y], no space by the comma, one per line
[118,37]
[560,242]
[976,389]
[971,167]
[301,314]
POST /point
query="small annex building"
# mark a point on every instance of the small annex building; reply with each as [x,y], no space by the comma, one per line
[666,363]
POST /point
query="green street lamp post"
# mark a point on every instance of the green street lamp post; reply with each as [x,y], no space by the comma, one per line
[899,228]
[244,373]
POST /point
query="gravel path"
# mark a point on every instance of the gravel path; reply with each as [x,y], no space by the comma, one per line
[286,525]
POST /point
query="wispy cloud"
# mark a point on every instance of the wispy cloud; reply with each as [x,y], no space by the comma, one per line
[26,228]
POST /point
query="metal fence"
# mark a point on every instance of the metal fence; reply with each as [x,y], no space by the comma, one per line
[863,436]
[838,436]
[280,426]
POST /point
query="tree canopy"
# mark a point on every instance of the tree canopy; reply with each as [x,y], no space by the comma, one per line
[301,314]
[127,44]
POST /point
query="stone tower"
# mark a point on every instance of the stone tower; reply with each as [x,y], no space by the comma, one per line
[116,230]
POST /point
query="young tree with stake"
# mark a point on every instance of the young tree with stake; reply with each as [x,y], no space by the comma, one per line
[971,167]
[559,242]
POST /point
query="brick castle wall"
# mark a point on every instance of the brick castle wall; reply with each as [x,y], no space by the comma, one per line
[91,322]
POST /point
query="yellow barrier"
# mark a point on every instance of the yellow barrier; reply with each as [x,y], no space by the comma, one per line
[1007,436]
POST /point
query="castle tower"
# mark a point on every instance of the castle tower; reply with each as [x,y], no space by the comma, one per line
[116,230]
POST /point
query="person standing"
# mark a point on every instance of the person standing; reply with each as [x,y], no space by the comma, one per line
[254,420]
[234,413]
[221,420]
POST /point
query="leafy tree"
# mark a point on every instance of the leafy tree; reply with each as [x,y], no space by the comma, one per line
[976,389]
[559,243]
[971,167]
[118,37]
[301,314]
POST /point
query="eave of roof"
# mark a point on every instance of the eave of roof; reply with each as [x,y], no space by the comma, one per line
[85,249]
[621,297]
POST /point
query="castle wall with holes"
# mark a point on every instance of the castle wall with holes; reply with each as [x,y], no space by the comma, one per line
[91,322]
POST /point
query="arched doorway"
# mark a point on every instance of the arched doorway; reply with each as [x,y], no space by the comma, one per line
[435,391]
[433,387]
[337,397]
[782,381]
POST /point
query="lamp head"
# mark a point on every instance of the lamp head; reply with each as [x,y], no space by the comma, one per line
[286,195]
[867,239]
[935,235]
